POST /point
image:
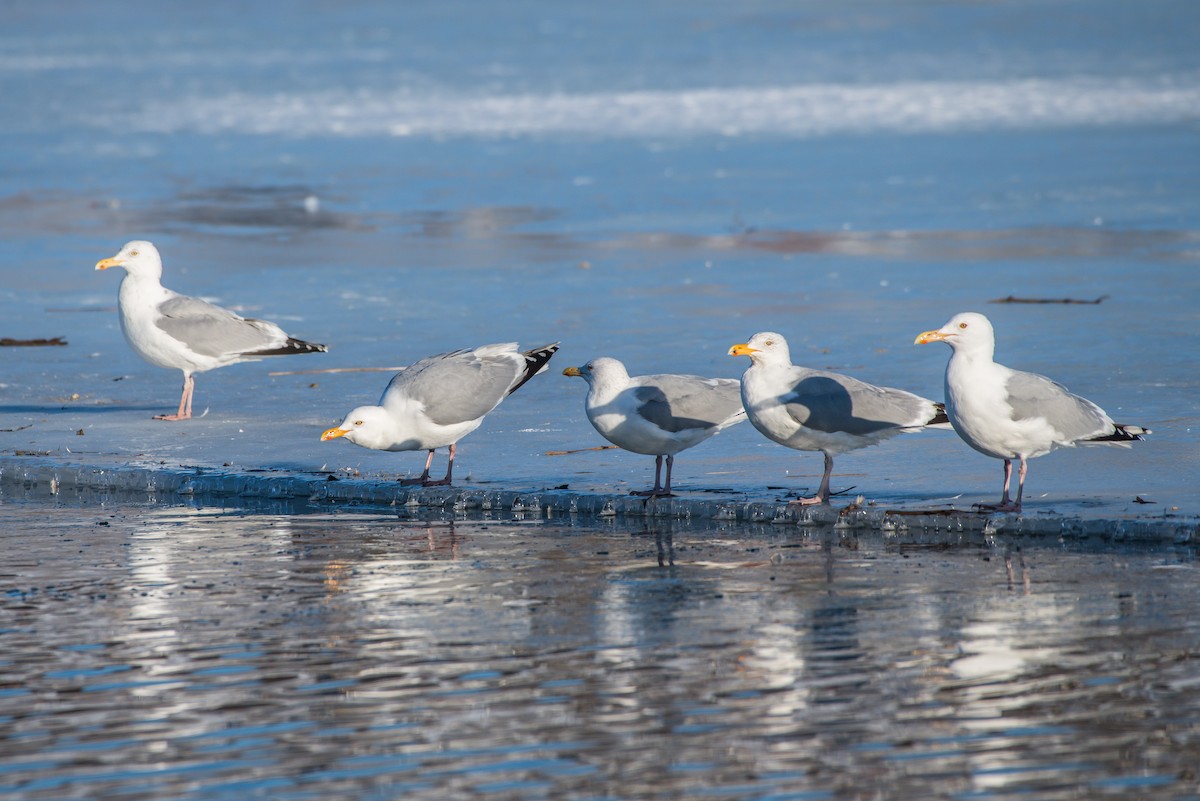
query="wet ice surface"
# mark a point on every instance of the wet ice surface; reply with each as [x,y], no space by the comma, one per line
[660,303]
[154,651]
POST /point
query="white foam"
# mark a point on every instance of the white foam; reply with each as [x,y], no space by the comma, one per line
[794,111]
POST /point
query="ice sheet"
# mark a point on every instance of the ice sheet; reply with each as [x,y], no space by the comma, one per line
[651,182]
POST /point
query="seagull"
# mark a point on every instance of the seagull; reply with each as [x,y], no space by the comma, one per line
[657,415]
[1010,414]
[185,333]
[439,400]
[816,410]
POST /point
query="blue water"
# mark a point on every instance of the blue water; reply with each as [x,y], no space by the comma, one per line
[652,181]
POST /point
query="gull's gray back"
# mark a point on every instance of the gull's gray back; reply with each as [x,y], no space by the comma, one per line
[1033,395]
[831,402]
[212,331]
[455,387]
[678,402]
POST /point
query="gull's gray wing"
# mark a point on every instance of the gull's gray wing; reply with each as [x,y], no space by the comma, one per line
[832,402]
[675,403]
[458,386]
[1031,395]
[212,331]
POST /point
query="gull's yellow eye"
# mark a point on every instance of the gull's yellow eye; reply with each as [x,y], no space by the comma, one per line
[962,325]
[769,342]
[358,422]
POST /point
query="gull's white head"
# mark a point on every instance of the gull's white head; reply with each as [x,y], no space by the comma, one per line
[368,426]
[765,347]
[138,258]
[601,370]
[968,332]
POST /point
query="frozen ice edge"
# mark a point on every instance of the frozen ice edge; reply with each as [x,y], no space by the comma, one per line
[42,479]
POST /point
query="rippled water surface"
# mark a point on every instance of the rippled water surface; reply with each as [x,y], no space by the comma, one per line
[151,652]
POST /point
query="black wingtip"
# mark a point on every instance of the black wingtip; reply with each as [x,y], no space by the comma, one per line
[1124,433]
[939,415]
[535,361]
[291,347]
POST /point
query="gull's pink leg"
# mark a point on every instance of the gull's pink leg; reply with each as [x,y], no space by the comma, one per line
[1020,484]
[449,469]
[658,461]
[191,391]
[1006,504]
[822,495]
[185,401]
[424,477]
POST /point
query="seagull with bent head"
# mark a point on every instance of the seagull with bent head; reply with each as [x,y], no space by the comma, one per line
[439,400]
[1010,414]
[185,333]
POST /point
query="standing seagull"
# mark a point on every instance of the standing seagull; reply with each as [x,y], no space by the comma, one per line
[657,415]
[439,400]
[815,410]
[1009,414]
[186,333]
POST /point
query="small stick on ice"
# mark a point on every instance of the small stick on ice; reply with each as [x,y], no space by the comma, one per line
[10,342]
[1013,299]
[581,450]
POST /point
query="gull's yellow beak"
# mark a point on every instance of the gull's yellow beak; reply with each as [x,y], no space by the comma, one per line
[742,349]
[334,433]
[572,371]
[104,264]
[930,336]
